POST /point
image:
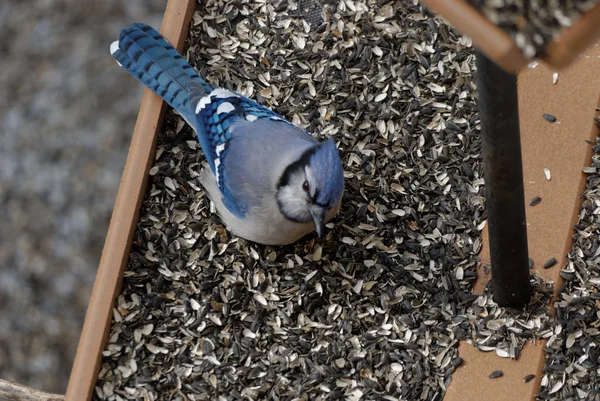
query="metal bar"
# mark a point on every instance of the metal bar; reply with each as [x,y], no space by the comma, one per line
[503,171]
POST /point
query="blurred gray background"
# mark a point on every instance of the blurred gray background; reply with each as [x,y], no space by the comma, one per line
[67,113]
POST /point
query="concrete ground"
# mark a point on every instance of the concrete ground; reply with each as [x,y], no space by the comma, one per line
[66,117]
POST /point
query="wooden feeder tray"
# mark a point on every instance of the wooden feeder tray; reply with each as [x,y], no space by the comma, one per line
[501,49]
[560,147]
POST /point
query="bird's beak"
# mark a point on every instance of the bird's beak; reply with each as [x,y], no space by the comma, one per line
[318,215]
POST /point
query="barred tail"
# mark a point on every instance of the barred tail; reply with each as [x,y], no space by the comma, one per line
[146,55]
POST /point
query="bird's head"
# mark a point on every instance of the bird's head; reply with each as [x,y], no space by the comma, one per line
[312,185]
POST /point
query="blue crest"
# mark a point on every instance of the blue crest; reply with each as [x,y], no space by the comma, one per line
[326,164]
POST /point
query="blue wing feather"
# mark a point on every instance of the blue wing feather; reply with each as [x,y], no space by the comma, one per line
[215,128]
[211,111]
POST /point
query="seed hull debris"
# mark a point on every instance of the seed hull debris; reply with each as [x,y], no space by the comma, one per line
[376,308]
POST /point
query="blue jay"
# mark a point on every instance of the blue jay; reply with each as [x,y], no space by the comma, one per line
[271,182]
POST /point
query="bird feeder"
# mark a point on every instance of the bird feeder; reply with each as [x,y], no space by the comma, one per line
[519,145]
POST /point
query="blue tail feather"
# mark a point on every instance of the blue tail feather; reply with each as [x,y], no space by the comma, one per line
[169,50]
[146,55]
[149,71]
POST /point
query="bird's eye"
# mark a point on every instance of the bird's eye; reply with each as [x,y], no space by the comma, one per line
[305,186]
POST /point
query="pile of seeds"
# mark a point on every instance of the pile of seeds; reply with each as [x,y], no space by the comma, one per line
[505,330]
[533,23]
[376,308]
[573,351]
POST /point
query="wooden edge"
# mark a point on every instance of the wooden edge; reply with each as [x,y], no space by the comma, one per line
[574,40]
[564,259]
[486,36]
[115,254]
[17,392]
[499,47]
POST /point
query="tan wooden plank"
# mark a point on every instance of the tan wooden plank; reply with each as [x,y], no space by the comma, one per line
[561,147]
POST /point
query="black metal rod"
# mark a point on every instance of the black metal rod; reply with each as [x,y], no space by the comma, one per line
[503,171]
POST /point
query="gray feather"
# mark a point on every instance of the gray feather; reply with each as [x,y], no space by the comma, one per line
[259,151]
